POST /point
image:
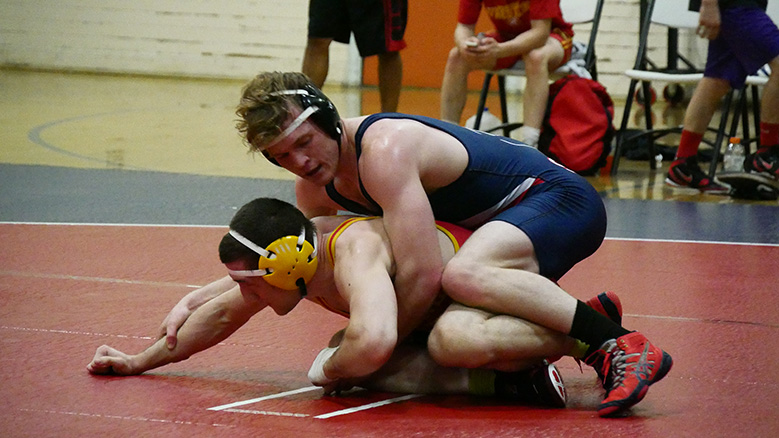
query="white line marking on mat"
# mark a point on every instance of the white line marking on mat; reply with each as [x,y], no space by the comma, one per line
[95,279]
[122,417]
[92,224]
[705,242]
[230,407]
[267,397]
[368,406]
[69,332]
[114,335]
[278,414]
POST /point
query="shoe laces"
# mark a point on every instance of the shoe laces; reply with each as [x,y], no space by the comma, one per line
[616,365]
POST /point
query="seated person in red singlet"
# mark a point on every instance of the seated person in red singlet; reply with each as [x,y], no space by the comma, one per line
[532,31]
[358,259]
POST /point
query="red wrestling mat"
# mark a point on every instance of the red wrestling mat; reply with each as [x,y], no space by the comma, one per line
[64,290]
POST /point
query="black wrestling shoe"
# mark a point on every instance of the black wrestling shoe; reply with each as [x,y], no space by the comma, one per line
[686,173]
[540,385]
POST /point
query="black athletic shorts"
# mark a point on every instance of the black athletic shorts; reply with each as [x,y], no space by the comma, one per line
[378,25]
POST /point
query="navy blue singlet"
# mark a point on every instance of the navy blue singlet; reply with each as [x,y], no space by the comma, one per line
[506,180]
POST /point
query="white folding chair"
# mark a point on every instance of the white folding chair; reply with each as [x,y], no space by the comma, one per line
[574,12]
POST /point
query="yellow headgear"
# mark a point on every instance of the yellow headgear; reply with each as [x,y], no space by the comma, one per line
[285,261]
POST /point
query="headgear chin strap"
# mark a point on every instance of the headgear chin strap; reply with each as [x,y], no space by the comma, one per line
[288,263]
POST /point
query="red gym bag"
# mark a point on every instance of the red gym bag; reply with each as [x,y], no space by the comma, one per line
[578,129]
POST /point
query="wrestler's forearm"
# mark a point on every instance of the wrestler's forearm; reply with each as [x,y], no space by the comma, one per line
[360,355]
[415,298]
[371,335]
[419,265]
[210,324]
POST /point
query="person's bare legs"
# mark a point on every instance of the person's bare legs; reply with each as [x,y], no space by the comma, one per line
[496,270]
[454,88]
[538,64]
[704,102]
[769,105]
[464,338]
[411,370]
[473,338]
[390,80]
[316,60]
[685,170]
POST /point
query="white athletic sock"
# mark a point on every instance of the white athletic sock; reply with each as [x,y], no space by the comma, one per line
[529,135]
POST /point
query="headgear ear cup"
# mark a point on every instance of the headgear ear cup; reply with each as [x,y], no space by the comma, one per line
[284,262]
[291,262]
[327,117]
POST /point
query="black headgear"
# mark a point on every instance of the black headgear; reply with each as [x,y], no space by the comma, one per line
[326,117]
[317,107]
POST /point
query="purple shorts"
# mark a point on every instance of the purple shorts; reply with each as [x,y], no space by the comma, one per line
[748,40]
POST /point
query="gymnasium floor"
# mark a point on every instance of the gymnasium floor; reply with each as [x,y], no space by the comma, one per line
[114,192]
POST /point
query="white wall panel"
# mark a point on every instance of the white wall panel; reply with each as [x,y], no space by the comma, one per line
[228,38]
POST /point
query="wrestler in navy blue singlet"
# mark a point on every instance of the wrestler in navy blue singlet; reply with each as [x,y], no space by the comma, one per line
[506,180]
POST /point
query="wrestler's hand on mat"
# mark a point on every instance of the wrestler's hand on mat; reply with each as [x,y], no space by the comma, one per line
[340,385]
[317,374]
[109,360]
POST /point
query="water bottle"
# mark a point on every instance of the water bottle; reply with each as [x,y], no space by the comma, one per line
[733,161]
[488,121]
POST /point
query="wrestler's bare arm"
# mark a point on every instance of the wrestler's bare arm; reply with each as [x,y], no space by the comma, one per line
[391,168]
[211,323]
[362,276]
[184,308]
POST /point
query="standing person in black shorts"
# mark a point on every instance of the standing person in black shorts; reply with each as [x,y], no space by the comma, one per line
[378,27]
